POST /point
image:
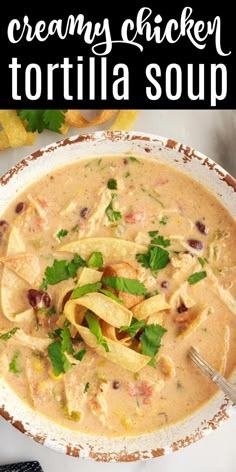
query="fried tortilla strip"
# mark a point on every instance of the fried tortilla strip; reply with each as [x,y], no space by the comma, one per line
[24,265]
[13,128]
[112,248]
[124,120]
[103,306]
[76,119]
[4,141]
[198,314]
[150,306]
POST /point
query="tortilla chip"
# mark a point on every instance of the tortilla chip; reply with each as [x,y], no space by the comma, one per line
[4,141]
[124,120]
[150,306]
[13,127]
[25,265]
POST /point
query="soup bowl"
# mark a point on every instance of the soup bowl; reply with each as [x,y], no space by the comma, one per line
[93,145]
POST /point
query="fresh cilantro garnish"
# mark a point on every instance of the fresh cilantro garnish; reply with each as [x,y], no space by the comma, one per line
[38,120]
[80,354]
[51,311]
[153,233]
[134,327]
[124,284]
[95,328]
[151,341]
[66,344]
[59,361]
[13,366]
[79,291]
[196,277]
[151,294]
[43,285]
[133,159]
[86,387]
[156,259]
[112,184]
[75,228]
[164,220]
[63,270]
[112,215]
[202,261]
[66,323]
[9,334]
[160,241]
[111,295]
[61,234]
[95,260]
[127,174]
[52,335]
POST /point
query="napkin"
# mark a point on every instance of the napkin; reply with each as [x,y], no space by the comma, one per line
[32,466]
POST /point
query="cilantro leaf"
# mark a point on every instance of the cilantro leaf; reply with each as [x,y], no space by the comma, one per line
[80,354]
[160,241]
[156,259]
[127,174]
[151,341]
[201,261]
[74,265]
[88,288]
[38,120]
[133,159]
[112,215]
[124,284]
[61,234]
[143,259]
[51,311]
[9,334]
[86,387]
[75,228]
[153,233]
[13,366]
[111,295]
[66,344]
[112,184]
[164,220]
[95,328]
[57,272]
[95,260]
[134,327]
[43,285]
[196,277]
[59,361]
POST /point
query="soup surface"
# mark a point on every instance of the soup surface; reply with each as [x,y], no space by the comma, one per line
[110,269]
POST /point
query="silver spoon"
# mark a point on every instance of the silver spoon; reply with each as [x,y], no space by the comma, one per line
[215,376]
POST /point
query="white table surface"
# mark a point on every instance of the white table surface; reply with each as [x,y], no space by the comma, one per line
[213,133]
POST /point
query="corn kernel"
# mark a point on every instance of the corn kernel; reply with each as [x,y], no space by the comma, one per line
[126,422]
[38,365]
[53,376]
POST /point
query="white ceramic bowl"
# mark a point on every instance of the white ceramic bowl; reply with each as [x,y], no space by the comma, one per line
[202,169]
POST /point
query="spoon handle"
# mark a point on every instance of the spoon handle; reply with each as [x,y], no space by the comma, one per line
[215,376]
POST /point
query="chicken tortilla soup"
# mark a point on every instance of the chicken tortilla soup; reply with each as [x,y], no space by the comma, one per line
[110,269]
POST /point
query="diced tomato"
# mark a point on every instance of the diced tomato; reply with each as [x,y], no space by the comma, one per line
[134,217]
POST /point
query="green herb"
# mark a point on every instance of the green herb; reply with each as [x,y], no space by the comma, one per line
[160,241]
[153,233]
[133,159]
[61,234]
[124,284]
[196,277]
[9,334]
[43,285]
[63,270]
[134,327]
[151,294]
[151,341]
[202,261]
[41,310]
[66,344]
[156,259]
[86,387]
[52,335]
[51,311]
[112,215]
[154,197]
[66,324]
[79,291]
[38,120]
[95,260]
[95,328]
[164,220]
[75,228]
[13,366]
[99,161]
[127,174]
[111,295]
[80,354]
[58,359]
[112,184]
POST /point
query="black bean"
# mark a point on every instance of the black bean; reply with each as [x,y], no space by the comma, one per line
[201,227]
[195,244]
[20,207]
[84,212]
[3,225]
[116,384]
[165,284]
[38,298]
[182,308]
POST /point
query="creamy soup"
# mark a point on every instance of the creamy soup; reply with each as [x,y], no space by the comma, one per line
[111,269]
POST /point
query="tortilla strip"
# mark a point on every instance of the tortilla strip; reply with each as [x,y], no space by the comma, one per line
[112,248]
[103,306]
[110,332]
[76,119]
[150,306]
[124,120]
[202,312]
[222,293]
[118,353]
[24,265]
